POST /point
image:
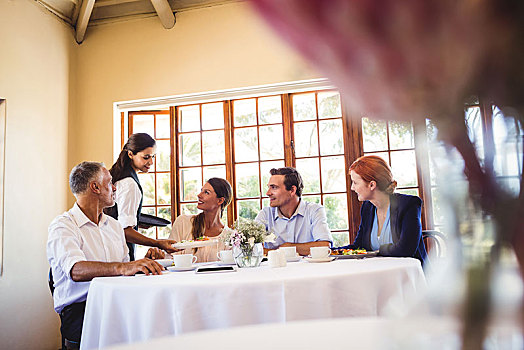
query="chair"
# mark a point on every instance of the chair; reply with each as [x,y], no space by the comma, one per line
[435,243]
[66,343]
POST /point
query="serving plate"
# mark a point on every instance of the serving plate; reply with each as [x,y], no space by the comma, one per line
[195,244]
[357,256]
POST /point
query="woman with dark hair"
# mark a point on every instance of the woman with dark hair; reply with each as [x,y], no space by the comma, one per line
[137,155]
[214,197]
[390,222]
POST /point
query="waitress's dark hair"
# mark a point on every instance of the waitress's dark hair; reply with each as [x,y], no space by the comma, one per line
[223,190]
[136,143]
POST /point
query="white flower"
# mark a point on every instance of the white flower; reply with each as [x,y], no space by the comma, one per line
[270,237]
[251,241]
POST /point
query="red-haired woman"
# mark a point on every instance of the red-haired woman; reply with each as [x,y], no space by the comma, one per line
[390,222]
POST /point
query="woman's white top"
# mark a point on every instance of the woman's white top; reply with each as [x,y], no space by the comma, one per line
[181,230]
[127,198]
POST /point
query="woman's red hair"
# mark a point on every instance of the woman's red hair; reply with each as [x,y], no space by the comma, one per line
[374,168]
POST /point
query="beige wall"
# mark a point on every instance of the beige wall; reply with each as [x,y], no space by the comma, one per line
[35,53]
[216,48]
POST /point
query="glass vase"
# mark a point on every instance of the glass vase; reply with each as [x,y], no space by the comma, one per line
[246,256]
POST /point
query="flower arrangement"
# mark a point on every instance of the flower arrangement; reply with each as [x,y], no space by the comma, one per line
[244,238]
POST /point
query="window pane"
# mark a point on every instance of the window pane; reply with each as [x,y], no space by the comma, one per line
[147,181]
[144,123]
[404,168]
[164,212]
[304,107]
[245,112]
[438,207]
[163,186]
[411,191]
[474,124]
[163,152]
[271,142]
[270,110]
[312,199]
[247,180]
[214,171]
[213,116]
[336,211]
[189,209]
[213,147]
[383,155]
[306,139]
[401,135]
[333,174]
[246,144]
[340,238]
[190,149]
[248,208]
[265,167]
[329,105]
[190,183]
[164,232]
[189,118]
[331,138]
[309,170]
[374,135]
[507,136]
[163,130]
[265,202]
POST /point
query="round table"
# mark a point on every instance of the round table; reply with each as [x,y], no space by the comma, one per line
[140,308]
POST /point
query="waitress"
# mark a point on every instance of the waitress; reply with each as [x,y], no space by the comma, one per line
[137,155]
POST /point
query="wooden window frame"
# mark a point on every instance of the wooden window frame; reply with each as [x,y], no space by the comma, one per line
[352,143]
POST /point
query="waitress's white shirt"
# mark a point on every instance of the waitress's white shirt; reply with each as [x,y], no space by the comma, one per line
[127,198]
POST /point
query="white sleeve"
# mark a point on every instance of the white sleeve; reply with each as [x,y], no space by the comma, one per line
[128,198]
[64,246]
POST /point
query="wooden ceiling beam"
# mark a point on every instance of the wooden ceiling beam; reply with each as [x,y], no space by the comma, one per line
[103,3]
[165,13]
[83,19]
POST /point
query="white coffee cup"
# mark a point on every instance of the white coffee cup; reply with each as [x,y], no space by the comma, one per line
[289,252]
[273,258]
[226,256]
[184,260]
[319,252]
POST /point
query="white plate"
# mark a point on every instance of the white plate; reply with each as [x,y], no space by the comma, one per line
[294,258]
[195,244]
[220,263]
[178,269]
[369,254]
[319,260]
[165,262]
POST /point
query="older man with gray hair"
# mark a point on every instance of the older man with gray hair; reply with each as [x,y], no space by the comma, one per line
[84,243]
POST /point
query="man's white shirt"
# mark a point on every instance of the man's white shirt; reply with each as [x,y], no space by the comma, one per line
[73,238]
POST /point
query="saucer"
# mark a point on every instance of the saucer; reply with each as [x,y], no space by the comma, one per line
[294,258]
[178,269]
[221,263]
[165,262]
[319,260]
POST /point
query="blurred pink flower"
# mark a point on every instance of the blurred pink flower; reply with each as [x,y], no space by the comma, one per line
[401,60]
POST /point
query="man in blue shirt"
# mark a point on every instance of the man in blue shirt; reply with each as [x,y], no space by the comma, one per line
[293,221]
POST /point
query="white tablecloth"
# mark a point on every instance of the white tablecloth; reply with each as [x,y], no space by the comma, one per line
[132,309]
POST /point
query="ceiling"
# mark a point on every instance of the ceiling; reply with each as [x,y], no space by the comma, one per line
[83,13]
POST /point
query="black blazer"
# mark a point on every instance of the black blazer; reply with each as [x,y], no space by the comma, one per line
[406,228]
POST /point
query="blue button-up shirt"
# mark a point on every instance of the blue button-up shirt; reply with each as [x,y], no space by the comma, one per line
[307,224]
